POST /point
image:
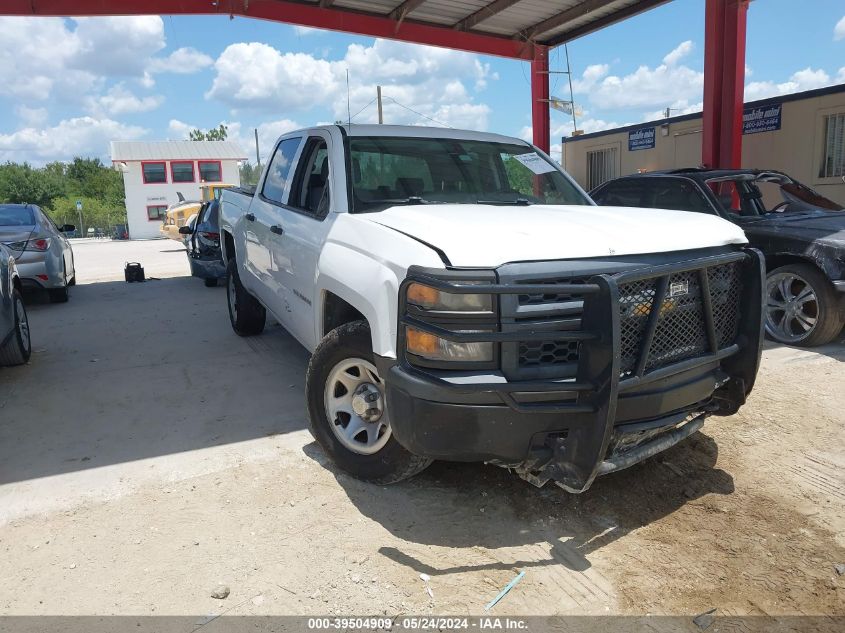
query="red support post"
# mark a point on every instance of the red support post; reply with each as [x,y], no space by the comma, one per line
[724,81]
[540,97]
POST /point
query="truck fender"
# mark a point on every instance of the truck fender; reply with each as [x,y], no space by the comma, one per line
[367,285]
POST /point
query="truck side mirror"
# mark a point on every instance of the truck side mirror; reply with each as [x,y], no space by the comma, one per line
[185,230]
[68,228]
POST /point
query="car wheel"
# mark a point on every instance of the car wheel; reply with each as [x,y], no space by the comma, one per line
[246,314]
[18,348]
[801,306]
[347,412]
[210,282]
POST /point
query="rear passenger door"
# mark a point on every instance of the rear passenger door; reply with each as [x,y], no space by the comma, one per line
[302,226]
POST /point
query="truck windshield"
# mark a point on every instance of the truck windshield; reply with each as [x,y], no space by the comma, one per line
[390,171]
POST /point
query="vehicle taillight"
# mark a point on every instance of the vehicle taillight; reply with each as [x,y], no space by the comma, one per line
[39,244]
[210,236]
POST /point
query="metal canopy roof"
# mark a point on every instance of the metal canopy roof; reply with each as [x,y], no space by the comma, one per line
[508,28]
[549,22]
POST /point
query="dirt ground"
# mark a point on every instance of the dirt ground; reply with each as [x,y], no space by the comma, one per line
[147,454]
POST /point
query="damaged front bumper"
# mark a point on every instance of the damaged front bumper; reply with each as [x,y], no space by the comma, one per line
[633,394]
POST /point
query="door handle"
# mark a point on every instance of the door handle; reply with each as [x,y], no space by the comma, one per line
[250,217]
[277,229]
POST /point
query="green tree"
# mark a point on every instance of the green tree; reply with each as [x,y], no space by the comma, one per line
[249,174]
[219,133]
[21,183]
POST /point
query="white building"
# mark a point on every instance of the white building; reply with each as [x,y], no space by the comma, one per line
[155,172]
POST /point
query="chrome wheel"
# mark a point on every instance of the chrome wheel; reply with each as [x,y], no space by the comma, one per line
[23,324]
[792,307]
[354,401]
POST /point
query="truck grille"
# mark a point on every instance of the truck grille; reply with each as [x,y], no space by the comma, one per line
[681,330]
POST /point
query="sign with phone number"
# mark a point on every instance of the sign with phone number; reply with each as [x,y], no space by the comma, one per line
[763,119]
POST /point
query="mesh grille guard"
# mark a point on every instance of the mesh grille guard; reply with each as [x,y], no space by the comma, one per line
[634,328]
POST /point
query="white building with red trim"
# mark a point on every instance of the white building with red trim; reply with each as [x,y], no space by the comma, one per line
[156,172]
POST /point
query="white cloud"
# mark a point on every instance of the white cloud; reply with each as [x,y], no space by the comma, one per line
[682,50]
[807,79]
[32,117]
[116,46]
[119,100]
[430,80]
[268,134]
[182,61]
[680,107]
[646,86]
[82,136]
[840,76]
[49,58]
[839,30]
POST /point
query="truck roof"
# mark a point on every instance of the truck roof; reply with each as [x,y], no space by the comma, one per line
[422,131]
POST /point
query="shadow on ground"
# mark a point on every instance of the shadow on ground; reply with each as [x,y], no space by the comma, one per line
[124,372]
[472,505]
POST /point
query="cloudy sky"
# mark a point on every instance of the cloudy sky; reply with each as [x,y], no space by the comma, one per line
[72,85]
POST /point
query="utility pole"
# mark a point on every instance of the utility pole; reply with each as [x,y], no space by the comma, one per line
[380,114]
[257,155]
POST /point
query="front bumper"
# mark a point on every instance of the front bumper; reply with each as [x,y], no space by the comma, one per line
[607,417]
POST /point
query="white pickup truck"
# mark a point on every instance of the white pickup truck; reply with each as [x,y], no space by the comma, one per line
[464,299]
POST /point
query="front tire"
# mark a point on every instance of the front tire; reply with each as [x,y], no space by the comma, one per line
[801,306]
[18,348]
[246,314]
[210,282]
[347,413]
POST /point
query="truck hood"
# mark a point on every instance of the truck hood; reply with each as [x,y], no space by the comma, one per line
[478,235]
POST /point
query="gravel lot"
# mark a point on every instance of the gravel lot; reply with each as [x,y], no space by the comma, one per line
[147,455]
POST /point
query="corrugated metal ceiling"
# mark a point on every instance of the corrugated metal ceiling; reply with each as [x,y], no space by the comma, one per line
[505,18]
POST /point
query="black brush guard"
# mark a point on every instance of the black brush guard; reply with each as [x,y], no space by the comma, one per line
[587,405]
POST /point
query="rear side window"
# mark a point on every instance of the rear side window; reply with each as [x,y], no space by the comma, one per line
[677,194]
[16,216]
[621,193]
[277,181]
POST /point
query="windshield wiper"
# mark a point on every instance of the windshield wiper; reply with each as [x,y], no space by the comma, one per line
[522,202]
[408,200]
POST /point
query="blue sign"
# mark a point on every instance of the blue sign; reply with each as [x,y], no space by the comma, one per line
[641,139]
[763,119]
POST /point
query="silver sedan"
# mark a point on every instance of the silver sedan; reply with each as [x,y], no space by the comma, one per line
[42,253]
[15,345]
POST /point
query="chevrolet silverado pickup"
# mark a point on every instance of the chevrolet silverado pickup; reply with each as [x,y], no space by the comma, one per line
[463,299]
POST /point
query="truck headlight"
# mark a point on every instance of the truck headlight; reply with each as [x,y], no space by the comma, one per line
[431,347]
[433,299]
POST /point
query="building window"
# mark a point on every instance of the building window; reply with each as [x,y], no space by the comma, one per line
[210,171]
[156,212]
[601,167]
[833,150]
[154,173]
[182,171]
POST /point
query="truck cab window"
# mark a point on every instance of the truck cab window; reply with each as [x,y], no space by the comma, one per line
[276,182]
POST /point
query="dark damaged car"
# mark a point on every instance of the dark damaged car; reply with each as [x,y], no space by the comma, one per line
[801,233]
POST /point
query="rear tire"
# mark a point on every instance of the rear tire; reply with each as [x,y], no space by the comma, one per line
[371,453]
[246,314]
[18,348]
[210,282]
